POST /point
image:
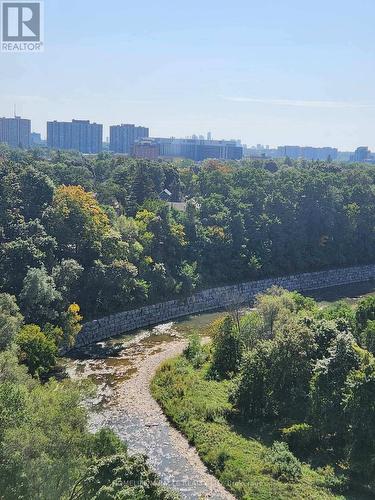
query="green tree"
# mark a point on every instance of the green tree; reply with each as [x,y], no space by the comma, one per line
[359,408]
[36,350]
[39,298]
[226,349]
[71,325]
[327,387]
[275,375]
[122,476]
[368,336]
[365,311]
[274,306]
[10,320]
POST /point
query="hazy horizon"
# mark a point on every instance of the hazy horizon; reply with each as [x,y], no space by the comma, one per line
[272,73]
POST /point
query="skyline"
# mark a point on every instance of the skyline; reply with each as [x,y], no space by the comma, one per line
[271,74]
[205,136]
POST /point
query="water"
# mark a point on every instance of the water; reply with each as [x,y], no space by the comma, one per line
[124,404]
[110,371]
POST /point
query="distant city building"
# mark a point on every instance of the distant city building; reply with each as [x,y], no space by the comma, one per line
[194,149]
[123,137]
[15,132]
[78,135]
[148,149]
[36,139]
[361,154]
[307,153]
[344,155]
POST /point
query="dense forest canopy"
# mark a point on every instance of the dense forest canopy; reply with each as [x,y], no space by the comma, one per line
[94,231]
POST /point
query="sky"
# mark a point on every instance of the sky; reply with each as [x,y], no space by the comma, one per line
[267,71]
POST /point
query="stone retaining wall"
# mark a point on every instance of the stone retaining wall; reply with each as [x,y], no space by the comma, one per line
[215,298]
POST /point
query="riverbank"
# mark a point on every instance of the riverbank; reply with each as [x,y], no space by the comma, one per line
[198,408]
[158,439]
[124,403]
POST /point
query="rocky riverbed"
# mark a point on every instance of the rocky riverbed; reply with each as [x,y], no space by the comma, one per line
[124,403]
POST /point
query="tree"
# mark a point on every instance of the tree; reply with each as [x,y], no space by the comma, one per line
[359,407]
[10,320]
[26,245]
[251,329]
[365,311]
[39,298]
[226,349]
[327,387]
[37,351]
[78,223]
[325,332]
[275,375]
[71,322]
[274,306]
[121,476]
[368,336]
[66,276]
[343,315]
[114,287]
[44,452]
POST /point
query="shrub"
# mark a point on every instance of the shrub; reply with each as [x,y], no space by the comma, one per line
[36,351]
[338,483]
[217,458]
[301,438]
[194,351]
[283,464]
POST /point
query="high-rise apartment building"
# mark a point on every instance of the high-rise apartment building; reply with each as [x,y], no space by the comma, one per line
[78,135]
[361,154]
[15,132]
[123,137]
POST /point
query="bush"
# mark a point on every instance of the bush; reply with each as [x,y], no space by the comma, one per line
[217,458]
[301,438]
[338,483]
[36,350]
[283,464]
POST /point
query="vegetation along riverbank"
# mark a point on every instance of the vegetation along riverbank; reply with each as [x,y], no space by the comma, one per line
[279,405]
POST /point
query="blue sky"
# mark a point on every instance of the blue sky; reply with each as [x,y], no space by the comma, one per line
[271,72]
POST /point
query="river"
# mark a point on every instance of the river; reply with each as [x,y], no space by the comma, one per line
[123,401]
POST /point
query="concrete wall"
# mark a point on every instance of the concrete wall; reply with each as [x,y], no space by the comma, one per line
[215,298]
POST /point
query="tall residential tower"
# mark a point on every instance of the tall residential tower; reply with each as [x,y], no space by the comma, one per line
[78,135]
[123,137]
[15,132]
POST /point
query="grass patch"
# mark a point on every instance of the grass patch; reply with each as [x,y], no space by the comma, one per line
[200,409]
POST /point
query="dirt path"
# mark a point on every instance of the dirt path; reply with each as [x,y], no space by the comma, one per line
[139,420]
